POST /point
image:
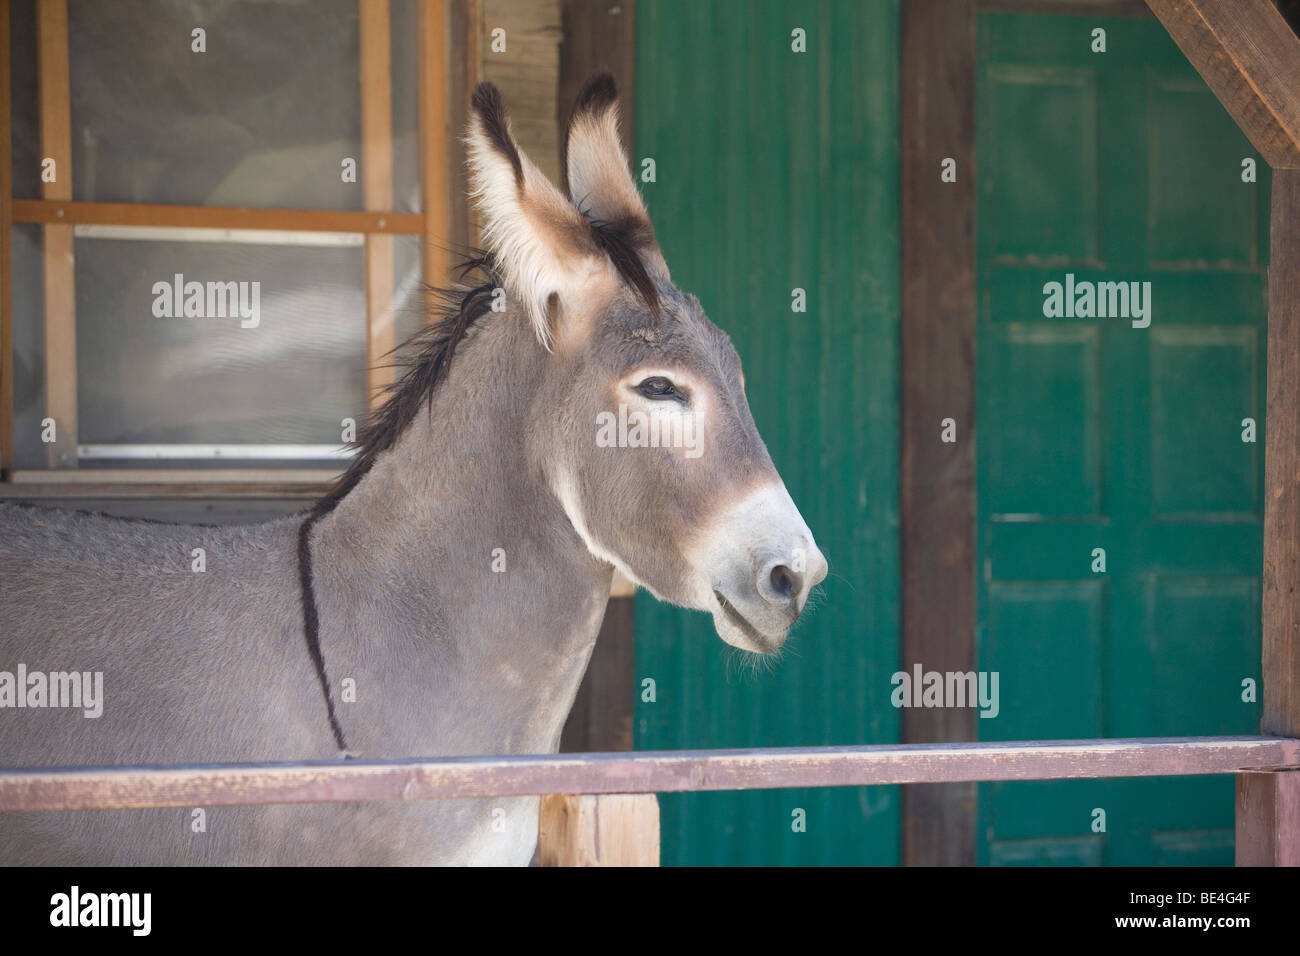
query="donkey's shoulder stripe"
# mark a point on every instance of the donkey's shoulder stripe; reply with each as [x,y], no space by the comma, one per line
[311,624]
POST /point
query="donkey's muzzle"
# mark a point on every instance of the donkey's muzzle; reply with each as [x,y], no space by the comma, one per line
[758,611]
[763,563]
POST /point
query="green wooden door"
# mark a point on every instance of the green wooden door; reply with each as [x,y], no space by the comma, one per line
[778,170]
[1095,434]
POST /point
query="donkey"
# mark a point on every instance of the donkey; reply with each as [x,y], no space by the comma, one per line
[455,578]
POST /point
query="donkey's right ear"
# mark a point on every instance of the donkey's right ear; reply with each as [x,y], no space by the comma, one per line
[596,176]
[596,173]
[541,243]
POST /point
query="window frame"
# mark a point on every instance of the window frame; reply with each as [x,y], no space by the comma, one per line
[61,218]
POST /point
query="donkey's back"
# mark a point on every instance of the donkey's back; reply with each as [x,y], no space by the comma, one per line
[199,666]
[128,642]
[174,616]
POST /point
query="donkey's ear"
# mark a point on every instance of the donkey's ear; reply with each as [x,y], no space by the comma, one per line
[541,243]
[595,166]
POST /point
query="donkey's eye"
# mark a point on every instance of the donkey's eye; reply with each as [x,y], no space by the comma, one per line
[659,388]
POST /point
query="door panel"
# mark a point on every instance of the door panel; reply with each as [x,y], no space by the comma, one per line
[779,170]
[1097,434]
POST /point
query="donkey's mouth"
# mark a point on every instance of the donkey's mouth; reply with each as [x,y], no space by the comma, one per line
[762,644]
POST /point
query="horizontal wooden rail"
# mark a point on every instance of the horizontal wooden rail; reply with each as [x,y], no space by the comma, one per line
[216,217]
[167,483]
[649,772]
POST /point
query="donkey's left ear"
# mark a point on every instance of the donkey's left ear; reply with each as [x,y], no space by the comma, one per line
[596,175]
[542,245]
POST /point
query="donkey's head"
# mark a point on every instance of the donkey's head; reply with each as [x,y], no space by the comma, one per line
[639,423]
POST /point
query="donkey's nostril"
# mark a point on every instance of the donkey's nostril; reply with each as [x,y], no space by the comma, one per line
[785,583]
[782,588]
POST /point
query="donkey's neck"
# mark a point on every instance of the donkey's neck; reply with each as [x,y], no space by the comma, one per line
[449,583]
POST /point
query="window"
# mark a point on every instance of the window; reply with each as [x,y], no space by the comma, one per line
[218,228]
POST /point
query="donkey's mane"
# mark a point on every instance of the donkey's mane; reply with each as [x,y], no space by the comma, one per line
[429,352]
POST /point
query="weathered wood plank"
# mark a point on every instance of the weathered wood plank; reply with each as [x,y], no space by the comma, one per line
[54,95]
[216,217]
[527,72]
[180,482]
[60,344]
[599,34]
[211,476]
[437,64]
[1268,818]
[6,254]
[459,73]
[1281,603]
[376,73]
[1250,58]
[649,772]
[937,479]
[614,829]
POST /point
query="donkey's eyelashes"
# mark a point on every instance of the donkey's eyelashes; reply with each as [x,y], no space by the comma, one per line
[658,388]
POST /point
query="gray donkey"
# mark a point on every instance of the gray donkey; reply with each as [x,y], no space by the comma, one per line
[445,598]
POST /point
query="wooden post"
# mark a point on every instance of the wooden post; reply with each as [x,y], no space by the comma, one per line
[1268,802]
[1281,605]
[616,829]
[377,190]
[937,480]
[60,291]
[600,720]
[1268,817]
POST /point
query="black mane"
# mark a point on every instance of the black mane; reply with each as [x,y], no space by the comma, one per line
[429,356]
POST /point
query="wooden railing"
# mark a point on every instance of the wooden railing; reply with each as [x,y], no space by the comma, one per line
[600,809]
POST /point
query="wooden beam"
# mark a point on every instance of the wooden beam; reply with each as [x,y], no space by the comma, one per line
[435,137]
[6,252]
[596,34]
[1268,818]
[377,191]
[614,829]
[216,217]
[1281,603]
[1250,58]
[338,781]
[59,268]
[937,479]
